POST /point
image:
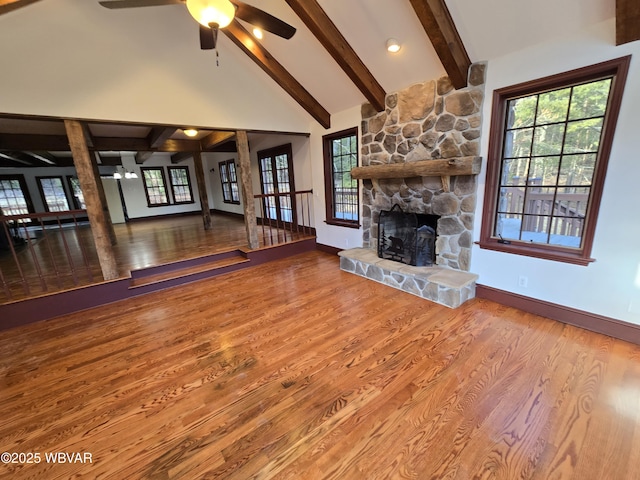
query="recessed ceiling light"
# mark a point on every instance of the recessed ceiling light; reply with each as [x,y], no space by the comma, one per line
[257,33]
[393,45]
[190,132]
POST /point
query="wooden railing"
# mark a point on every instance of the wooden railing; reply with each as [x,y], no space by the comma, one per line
[537,206]
[44,253]
[285,216]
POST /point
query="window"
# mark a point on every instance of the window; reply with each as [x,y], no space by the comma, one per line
[14,196]
[342,194]
[548,152]
[53,194]
[180,184]
[276,179]
[229,179]
[76,192]
[155,186]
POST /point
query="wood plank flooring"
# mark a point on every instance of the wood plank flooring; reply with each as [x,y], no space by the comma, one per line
[141,244]
[297,370]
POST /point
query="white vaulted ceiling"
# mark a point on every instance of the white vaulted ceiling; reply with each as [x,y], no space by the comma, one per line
[74,58]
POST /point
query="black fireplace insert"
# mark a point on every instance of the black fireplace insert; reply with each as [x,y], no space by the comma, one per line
[407,237]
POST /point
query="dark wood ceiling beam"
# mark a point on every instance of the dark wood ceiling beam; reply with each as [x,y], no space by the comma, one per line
[627,21]
[226,147]
[239,35]
[159,135]
[110,161]
[141,144]
[316,20]
[33,142]
[438,24]
[216,138]
[142,157]
[7,6]
[44,157]
[12,157]
[181,156]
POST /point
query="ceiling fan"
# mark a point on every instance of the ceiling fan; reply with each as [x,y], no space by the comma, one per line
[213,15]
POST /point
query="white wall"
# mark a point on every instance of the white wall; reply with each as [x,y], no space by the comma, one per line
[214,185]
[609,286]
[75,59]
[133,189]
[332,235]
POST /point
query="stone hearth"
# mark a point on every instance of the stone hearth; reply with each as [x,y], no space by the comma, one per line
[439,284]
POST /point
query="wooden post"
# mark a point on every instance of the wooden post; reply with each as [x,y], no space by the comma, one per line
[103,198]
[202,190]
[246,188]
[91,186]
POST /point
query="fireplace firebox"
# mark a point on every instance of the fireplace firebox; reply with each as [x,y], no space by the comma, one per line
[408,238]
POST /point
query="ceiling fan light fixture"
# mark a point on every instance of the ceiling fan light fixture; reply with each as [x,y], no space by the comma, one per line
[190,132]
[206,12]
[393,45]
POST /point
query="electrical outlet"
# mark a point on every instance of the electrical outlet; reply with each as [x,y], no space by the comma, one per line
[523,281]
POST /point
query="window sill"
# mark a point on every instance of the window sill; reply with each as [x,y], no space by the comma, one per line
[342,223]
[538,251]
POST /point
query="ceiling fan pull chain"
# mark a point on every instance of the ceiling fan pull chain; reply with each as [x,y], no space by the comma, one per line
[217,58]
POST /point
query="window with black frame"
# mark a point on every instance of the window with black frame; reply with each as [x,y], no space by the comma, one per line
[53,194]
[14,195]
[229,181]
[155,186]
[180,185]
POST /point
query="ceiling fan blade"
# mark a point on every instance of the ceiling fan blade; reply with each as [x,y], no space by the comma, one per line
[208,38]
[112,4]
[263,20]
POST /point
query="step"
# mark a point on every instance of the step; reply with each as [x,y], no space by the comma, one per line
[210,268]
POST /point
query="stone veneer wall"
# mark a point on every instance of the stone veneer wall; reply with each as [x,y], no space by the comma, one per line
[428,120]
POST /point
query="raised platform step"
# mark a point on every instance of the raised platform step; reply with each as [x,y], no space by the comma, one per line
[188,270]
[439,284]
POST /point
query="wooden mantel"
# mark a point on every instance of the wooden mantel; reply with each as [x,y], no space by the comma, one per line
[423,168]
[443,168]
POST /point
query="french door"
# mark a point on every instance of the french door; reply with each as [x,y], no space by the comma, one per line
[276,180]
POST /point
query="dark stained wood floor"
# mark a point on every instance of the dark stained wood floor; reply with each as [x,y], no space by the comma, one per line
[140,244]
[297,370]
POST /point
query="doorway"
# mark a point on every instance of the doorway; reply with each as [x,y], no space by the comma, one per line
[277,183]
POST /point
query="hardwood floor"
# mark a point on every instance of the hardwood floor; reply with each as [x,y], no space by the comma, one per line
[297,370]
[140,244]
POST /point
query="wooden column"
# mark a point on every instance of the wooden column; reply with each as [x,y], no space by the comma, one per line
[91,186]
[202,190]
[246,188]
[103,197]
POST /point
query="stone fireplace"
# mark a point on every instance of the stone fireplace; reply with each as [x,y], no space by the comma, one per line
[421,155]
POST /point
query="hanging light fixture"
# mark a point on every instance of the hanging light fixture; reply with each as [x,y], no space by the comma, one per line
[218,13]
[127,174]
